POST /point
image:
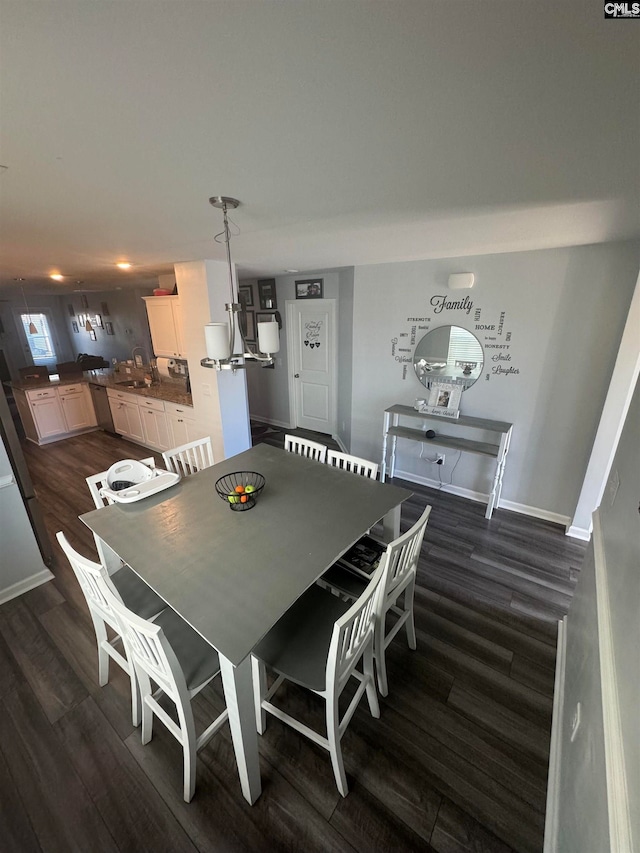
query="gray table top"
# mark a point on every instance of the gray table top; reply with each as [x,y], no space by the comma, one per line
[231,575]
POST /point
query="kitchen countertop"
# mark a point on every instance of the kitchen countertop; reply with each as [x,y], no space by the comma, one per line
[172,392]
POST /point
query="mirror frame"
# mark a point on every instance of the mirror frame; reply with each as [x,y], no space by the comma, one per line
[426,376]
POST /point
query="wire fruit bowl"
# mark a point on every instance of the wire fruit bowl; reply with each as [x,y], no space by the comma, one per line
[240,489]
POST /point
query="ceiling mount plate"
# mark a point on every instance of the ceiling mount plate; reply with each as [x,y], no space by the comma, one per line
[224,201]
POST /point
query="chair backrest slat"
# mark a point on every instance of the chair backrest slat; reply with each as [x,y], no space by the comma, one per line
[305,447]
[354,464]
[401,557]
[93,579]
[189,458]
[351,631]
[150,650]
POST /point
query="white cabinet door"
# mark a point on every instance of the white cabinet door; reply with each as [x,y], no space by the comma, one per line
[165,324]
[48,417]
[119,415]
[77,407]
[183,426]
[134,422]
[156,428]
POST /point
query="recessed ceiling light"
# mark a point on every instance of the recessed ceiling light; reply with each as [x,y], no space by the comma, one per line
[292,270]
[124,265]
[56,276]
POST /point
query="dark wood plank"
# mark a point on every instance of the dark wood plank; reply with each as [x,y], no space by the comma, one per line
[16,831]
[456,832]
[60,810]
[49,674]
[130,806]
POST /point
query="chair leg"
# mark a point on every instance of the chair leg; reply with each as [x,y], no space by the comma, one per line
[335,749]
[378,650]
[103,655]
[367,668]
[136,713]
[187,725]
[144,685]
[259,675]
[410,624]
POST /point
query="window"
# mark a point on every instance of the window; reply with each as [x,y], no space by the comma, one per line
[41,341]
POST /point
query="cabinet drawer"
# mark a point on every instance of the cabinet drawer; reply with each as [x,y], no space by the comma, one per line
[179,409]
[64,390]
[146,403]
[41,394]
[122,397]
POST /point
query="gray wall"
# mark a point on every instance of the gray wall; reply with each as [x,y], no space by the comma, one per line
[127,315]
[345,356]
[601,670]
[565,311]
[269,389]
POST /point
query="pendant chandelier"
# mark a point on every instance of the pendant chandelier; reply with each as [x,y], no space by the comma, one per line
[220,338]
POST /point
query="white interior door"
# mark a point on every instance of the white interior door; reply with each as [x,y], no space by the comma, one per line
[312,359]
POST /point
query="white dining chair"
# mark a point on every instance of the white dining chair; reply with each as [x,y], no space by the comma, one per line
[189,458]
[305,447]
[96,584]
[398,565]
[317,644]
[169,653]
[347,462]
[99,481]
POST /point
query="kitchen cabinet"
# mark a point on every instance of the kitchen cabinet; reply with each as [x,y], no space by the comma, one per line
[140,419]
[48,417]
[26,415]
[125,411]
[182,424]
[155,424]
[165,323]
[77,408]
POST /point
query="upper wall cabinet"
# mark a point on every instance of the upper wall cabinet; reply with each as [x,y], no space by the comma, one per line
[165,323]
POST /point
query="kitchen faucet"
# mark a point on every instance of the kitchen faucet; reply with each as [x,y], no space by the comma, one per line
[143,351]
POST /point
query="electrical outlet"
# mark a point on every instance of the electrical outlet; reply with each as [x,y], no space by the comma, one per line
[440,459]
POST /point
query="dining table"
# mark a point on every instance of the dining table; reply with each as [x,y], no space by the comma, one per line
[231,575]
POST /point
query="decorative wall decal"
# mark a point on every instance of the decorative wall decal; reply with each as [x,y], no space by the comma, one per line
[312,331]
[491,331]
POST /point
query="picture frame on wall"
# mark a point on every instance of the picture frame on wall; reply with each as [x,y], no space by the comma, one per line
[98,321]
[108,327]
[311,288]
[84,302]
[264,317]
[248,321]
[245,294]
[71,310]
[93,335]
[74,326]
[104,308]
[81,319]
[267,294]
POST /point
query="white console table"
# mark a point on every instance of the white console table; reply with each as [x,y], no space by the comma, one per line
[393,430]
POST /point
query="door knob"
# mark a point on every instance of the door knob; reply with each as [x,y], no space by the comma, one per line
[296,376]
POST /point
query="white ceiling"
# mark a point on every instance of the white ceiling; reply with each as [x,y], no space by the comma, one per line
[352,131]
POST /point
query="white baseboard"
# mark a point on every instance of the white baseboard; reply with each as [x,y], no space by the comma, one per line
[270,422]
[536,512]
[555,750]
[443,487]
[25,585]
[480,497]
[579,533]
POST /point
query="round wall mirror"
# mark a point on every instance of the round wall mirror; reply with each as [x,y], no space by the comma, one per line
[448,354]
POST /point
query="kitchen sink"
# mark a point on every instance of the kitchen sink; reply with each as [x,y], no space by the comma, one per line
[132,383]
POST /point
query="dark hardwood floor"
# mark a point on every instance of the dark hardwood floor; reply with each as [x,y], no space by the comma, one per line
[457,761]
